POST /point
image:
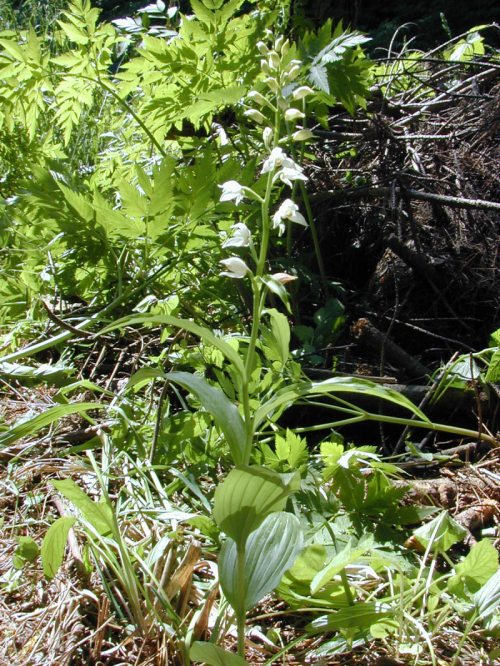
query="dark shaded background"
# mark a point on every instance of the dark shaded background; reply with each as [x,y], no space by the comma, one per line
[379,18]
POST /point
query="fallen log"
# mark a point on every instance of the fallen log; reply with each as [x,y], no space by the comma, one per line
[365,332]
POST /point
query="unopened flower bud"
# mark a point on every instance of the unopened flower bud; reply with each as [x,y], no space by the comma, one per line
[293,114]
[294,72]
[273,84]
[263,50]
[284,277]
[291,65]
[278,44]
[269,34]
[302,135]
[256,97]
[255,116]
[274,60]
[268,138]
[285,48]
[265,67]
[301,92]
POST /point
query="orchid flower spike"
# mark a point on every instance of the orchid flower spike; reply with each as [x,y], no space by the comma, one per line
[242,236]
[288,211]
[236,267]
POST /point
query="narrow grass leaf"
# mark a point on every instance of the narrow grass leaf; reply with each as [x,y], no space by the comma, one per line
[360,615]
[166,320]
[34,425]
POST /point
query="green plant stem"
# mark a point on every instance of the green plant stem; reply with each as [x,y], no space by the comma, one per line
[240,611]
[279,654]
[129,109]
[312,225]
[367,416]
[347,589]
[469,626]
[317,247]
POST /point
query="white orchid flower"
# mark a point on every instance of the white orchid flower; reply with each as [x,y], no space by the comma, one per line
[242,236]
[273,84]
[288,175]
[301,92]
[278,43]
[277,160]
[293,73]
[267,137]
[274,60]
[302,135]
[236,267]
[256,97]
[288,211]
[255,115]
[262,48]
[293,114]
[232,190]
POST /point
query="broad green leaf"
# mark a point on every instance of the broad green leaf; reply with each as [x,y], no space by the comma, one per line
[475,570]
[362,614]
[202,13]
[98,514]
[213,655]
[73,33]
[318,76]
[27,428]
[488,597]
[27,548]
[54,544]
[277,288]
[270,550]
[77,202]
[287,397]
[335,385]
[247,496]
[144,376]
[443,532]
[231,95]
[306,566]
[281,331]
[225,413]
[292,449]
[365,387]
[166,320]
[384,628]
[493,374]
[339,562]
